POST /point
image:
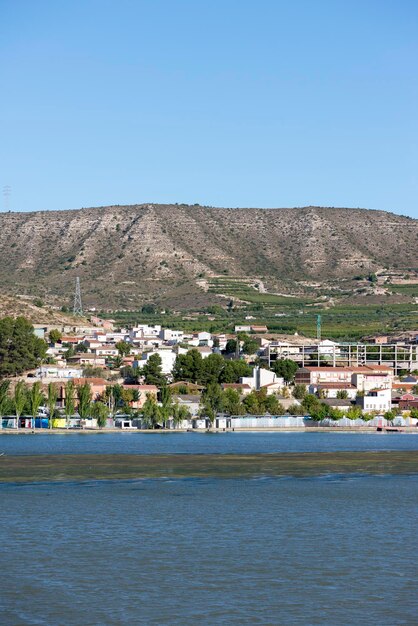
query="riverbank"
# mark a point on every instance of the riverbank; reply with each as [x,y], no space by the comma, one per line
[134,431]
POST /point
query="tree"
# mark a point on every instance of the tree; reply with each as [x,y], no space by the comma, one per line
[232,371]
[166,408]
[20,397]
[354,413]
[284,392]
[231,402]
[188,366]
[20,349]
[299,391]
[100,411]
[310,402]
[414,413]
[130,375]
[69,405]
[390,416]
[252,403]
[4,399]
[211,369]
[250,346]
[116,362]
[231,346]
[180,413]
[151,411]
[152,371]
[295,409]
[273,406]
[342,394]
[126,398]
[51,401]
[54,335]
[93,372]
[211,401]
[123,348]
[69,350]
[118,394]
[35,400]
[285,368]
[149,309]
[109,398]
[84,396]
[319,411]
[335,414]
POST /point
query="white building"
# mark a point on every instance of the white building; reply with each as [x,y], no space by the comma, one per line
[263,378]
[328,348]
[201,339]
[168,334]
[49,371]
[378,378]
[168,358]
[376,400]
[144,330]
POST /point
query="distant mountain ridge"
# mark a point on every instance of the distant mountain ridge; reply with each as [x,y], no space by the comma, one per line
[128,255]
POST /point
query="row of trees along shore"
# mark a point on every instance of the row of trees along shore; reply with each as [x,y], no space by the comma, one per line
[25,400]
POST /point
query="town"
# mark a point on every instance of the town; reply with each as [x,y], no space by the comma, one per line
[147,377]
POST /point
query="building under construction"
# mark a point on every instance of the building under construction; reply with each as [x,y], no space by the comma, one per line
[398,356]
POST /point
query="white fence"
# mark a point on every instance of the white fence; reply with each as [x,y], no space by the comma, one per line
[267,422]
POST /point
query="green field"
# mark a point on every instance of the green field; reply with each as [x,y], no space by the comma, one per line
[286,315]
[406,290]
[345,323]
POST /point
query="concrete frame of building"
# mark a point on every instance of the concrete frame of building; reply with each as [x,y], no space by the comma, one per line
[393,355]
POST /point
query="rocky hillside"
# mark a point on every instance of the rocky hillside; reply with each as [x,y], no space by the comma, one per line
[37,314]
[128,255]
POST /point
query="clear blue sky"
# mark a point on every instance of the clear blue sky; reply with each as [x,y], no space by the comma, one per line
[265,103]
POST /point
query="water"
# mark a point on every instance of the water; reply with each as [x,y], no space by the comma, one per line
[335,550]
[204,443]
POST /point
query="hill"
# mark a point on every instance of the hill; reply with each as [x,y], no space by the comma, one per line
[175,254]
[13,306]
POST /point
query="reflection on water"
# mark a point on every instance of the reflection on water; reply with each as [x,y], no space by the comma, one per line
[332,551]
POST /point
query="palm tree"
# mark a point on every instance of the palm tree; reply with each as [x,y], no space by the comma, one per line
[19,399]
[84,395]
[109,398]
[69,406]
[35,400]
[4,398]
[117,362]
[51,401]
